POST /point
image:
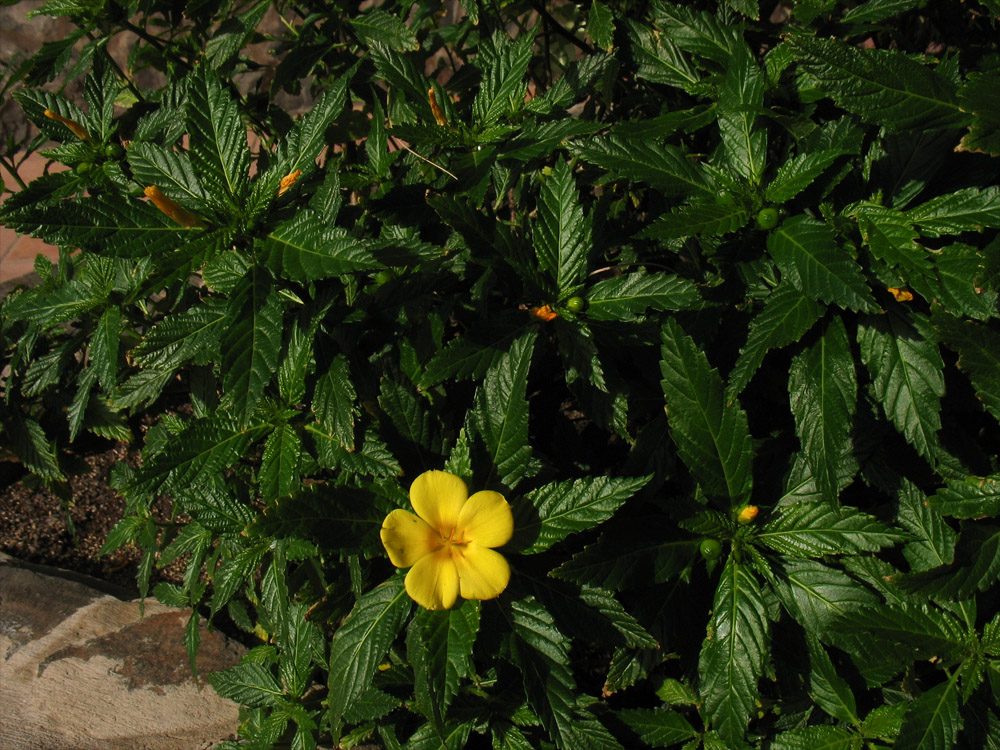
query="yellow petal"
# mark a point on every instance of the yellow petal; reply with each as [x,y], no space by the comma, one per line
[482,572]
[486,519]
[433,580]
[407,538]
[437,497]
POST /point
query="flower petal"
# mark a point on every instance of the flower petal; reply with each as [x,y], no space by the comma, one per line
[407,538]
[486,520]
[433,580]
[437,497]
[482,572]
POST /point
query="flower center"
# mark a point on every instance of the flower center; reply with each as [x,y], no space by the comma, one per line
[454,539]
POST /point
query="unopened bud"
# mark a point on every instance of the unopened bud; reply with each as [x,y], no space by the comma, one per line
[544,313]
[76,128]
[288,180]
[439,115]
[747,514]
[181,215]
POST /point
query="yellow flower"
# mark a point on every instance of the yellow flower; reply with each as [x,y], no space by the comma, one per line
[747,514]
[448,543]
[901,295]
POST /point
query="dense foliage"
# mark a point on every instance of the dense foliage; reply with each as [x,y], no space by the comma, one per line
[710,298]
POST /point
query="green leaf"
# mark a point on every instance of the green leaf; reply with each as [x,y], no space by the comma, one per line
[976,567]
[884,87]
[247,684]
[935,539]
[218,151]
[933,721]
[904,632]
[104,347]
[307,249]
[816,529]
[814,594]
[902,355]
[978,349]
[471,355]
[601,25]
[968,210]
[711,436]
[28,441]
[658,59]
[181,336]
[559,509]
[251,343]
[787,315]
[873,11]
[665,167]
[798,173]
[698,31]
[503,64]
[658,727]
[562,234]
[232,34]
[830,691]
[449,636]
[891,236]
[409,414]
[823,390]
[710,219]
[972,497]
[333,402]
[961,284]
[817,738]
[377,26]
[501,412]
[358,646]
[279,467]
[741,100]
[977,98]
[234,572]
[733,655]
[173,172]
[808,255]
[631,294]
[629,557]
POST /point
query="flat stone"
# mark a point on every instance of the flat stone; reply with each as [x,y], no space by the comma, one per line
[82,668]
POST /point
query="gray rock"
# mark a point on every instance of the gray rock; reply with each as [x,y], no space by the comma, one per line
[82,669]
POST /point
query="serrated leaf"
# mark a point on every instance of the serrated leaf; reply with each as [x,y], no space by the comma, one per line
[631,294]
[884,87]
[697,31]
[816,529]
[501,412]
[823,390]
[251,343]
[359,645]
[976,567]
[279,467]
[247,684]
[968,210]
[333,402]
[733,655]
[933,721]
[906,632]
[798,173]
[601,25]
[471,355]
[710,219]
[307,249]
[180,337]
[830,691]
[104,347]
[629,557]
[977,98]
[972,497]
[712,437]
[807,252]
[877,10]
[218,147]
[961,282]
[902,355]
[562,508]
[935,540]
[378,26]
[817,738]
[371,458]
[815,594]
[741,100]
[503,64]
[234,572]
[28,441]
[978,349]
[449,636]
[658,59]
[665,167]
[891,236]
[786,317]
[562,236]
[409,414]
[658,727]
[173,172]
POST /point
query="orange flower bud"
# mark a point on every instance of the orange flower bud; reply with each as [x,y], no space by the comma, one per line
[288,180]
[544,313]
[181,215]
[436,108]
[901,295]
[76,128]
[747,514]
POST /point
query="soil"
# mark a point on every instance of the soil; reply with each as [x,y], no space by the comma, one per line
[37,526]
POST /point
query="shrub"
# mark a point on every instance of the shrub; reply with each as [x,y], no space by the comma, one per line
[710,300]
